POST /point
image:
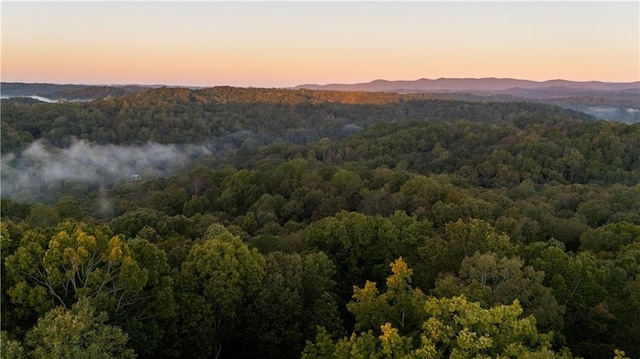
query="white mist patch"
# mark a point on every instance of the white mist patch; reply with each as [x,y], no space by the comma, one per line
[35,97]
[43,99]
[603,110]
[40,165]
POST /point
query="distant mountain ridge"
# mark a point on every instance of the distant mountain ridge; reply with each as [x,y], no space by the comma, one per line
[474,84]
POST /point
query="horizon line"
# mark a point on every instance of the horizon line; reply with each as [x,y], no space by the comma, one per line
[142,84]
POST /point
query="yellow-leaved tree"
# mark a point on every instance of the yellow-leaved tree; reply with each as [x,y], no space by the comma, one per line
[449,327]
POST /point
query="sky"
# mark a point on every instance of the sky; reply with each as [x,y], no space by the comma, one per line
[282,44]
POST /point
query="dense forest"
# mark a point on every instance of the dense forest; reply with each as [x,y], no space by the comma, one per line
[322,224]
[178,116]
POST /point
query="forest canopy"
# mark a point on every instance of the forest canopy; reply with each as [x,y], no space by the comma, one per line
[269,223]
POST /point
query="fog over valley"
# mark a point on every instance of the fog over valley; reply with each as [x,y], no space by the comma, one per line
[26,174]
[34,97]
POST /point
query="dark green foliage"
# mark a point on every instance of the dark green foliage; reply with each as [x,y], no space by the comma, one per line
[217,281]
[360,245]
[245,253]
[296,297]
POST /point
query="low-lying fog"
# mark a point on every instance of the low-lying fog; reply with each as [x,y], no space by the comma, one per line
[25,174]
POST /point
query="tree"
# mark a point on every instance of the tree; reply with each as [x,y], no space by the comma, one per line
[421,191]
[491,339]
[18,318]
[239,192]
[217,280]
[295,297]
[146,319]
[458,240]
[76,262]
[387,345]
[287,177]
[68,208]
[130,281]
[596,212]
[571,164]
[450,327]
[458,328]
[607,240]
[348,185]
[626,313]
[361,245]
[401,305]
[9,348]
[132,222]
[582,284]
[14,210]
[42,216]
[491,280]
[77,332]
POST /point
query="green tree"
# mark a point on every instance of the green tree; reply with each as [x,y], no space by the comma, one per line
[42,216]
[14,210]
[295,297]
[217,280]
[359,244]
[348,185]
[581,283]
[596,212]
[69,208]
[18,318]
[132,222]
[287,177]
[458,240]
[422,191]
[9,348]
[154,309]
[458,328]
[78,332]
[387,345]
[491,280]
[605,241]
[450,327]
[239,192]
[130,281]
[76,262]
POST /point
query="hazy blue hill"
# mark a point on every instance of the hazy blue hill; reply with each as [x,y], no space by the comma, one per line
[442,84]
[473,84]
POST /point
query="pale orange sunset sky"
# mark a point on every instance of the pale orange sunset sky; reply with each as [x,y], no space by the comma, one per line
[266,44]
